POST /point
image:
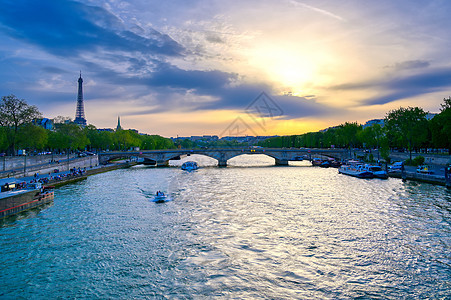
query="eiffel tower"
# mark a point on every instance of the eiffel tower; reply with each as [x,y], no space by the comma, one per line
[80,113]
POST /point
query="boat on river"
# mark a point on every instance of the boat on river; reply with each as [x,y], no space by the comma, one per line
[377,171]
[190,166]
[425,169]
[160,197]
[17,196]
[355,169]
[317,162]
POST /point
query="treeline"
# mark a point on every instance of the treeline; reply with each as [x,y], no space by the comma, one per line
[403,128]
[18,132]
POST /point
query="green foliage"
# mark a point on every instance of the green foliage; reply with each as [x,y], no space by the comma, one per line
[348,134]
[32,137]
[446,104]
[57,141]
[440,127]
[406,126]
[15,112]
[419,160]
[384,150]
[126,139]
[371,136]
[3,139]
[342,136]
[74,137]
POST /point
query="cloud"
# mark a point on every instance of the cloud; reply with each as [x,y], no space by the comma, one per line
[316,9]
[68,28]
[53,70]
[410,64]
[410,86]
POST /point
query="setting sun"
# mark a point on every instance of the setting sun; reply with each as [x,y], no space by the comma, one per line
[286,66]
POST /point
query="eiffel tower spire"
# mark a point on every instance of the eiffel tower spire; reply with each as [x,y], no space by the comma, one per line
[80,112]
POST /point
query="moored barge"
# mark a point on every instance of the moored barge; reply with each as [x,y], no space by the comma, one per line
[17,196]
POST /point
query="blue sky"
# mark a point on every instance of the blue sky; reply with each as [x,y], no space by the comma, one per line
[190,68]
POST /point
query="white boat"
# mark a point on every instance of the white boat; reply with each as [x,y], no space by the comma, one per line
[377,171]
[425,169]
[355,169]
[160,197]
[396,167]
[190,166]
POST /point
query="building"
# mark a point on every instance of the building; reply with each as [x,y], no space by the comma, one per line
[374,122]
[430,116]
[118,127]
[105,129]
[44,123]
[80,112]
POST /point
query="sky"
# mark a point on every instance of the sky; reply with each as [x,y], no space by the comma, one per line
[210,67]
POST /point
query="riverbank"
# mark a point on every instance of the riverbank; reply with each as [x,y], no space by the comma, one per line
[413,176]
[65,177]
[29,166]
[13,202]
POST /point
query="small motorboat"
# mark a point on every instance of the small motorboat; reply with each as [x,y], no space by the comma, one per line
[317,162]
[190,166]
[377,171]
[356,169]
[425,169]
[325,164]
[160,197]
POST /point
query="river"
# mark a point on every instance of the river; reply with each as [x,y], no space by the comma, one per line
[249,231]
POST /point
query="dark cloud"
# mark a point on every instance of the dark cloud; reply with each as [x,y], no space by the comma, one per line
[214,38]
[72,30]
[401,87]
[67,28]
[53,70]
[300,107]
[171,76]
[410,64]
[240,98]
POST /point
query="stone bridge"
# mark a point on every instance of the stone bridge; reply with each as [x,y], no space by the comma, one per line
[222,155]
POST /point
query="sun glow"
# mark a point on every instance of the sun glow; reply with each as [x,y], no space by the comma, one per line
[288,67]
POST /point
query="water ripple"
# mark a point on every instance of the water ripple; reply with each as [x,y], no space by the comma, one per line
[251,230]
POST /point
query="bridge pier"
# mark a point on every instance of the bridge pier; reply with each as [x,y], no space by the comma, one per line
[222,163]
[281,162]
[163,163]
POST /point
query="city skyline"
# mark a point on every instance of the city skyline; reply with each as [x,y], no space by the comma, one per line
[196,68]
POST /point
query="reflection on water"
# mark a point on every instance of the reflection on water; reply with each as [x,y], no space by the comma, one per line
[251,230]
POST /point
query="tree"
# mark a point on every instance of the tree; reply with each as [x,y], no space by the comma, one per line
[446,104]
[348,134]
[372,137]
[98,139]
[3,139]
[72,136]
[15,112]
[58,141]
[32,137]
[61,120]
[407,127]
[440,127]
[124,139]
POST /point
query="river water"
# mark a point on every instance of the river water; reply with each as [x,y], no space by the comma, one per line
[248,231]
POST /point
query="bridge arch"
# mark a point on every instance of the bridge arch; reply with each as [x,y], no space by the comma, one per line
[281,155]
